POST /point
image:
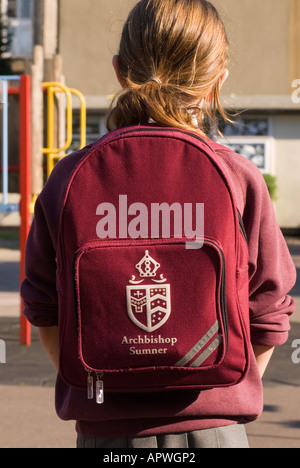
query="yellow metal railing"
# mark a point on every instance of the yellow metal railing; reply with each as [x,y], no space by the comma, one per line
[55,154]
[82,115]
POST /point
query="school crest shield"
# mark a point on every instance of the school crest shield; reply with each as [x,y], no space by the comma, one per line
[148,305]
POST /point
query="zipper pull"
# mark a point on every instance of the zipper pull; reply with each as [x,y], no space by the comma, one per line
[99,390]
[90,385]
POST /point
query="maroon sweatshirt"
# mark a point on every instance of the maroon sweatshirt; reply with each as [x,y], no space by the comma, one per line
[272,275]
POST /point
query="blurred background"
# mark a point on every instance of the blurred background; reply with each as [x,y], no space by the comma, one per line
[71,42]
[78,39]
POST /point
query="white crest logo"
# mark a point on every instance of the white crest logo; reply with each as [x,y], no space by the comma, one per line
[148,306]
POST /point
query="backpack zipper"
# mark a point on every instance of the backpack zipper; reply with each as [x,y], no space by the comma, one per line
[242,227]
[99,388]
[223,301]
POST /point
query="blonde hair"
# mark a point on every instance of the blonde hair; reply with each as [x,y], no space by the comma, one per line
[172,56]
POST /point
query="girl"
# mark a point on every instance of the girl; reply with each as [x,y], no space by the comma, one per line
[171,66]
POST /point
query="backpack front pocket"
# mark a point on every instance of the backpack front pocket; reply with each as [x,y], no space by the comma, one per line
[144,305]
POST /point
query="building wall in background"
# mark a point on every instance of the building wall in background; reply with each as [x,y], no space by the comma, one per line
[264,65]
[88,38]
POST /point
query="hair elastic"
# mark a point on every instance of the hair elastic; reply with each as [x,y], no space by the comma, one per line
[157,80]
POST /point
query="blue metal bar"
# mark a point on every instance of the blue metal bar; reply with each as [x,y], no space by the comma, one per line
[9,78]
[9,208]
[5,141]
[5,207]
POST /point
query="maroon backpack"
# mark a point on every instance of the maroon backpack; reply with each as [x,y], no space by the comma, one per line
[152,268]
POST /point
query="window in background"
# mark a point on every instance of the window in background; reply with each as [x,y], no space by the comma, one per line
[20,14]
[251,137]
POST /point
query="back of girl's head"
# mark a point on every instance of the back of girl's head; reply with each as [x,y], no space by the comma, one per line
[173,54]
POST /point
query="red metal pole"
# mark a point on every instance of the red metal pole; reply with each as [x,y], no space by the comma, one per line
[25,189]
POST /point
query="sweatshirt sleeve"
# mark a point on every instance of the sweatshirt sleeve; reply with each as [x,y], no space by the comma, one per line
[38,290]
[272,273]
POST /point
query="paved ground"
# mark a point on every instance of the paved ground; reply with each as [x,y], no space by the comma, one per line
[27,415]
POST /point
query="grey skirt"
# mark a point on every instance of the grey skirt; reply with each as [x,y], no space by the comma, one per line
[221,437]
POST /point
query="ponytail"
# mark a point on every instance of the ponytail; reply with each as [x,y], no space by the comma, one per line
[172,56]
[148,102]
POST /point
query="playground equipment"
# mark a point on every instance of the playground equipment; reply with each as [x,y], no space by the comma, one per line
[26,207]
[54,154]
[24,92]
